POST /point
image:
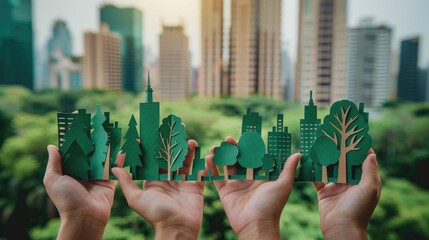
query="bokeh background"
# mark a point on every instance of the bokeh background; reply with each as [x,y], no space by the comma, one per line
[55,57]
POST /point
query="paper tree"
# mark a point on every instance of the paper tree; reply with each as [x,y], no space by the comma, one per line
[268,163]
[342,141]
[99,139]
[251,149]
[172,145]
[75,162]
[75,150]
[131,147]
[198,165]
[225,155]
[115,147]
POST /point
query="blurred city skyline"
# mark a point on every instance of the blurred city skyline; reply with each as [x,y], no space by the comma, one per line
[404,18]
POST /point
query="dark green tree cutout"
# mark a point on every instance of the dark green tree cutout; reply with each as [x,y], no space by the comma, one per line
[172,145]
[268,163]
[99,139]
[75,161]
[325,149]
[347,128]
[225,155]
[131,147]
[77,131]
[251,148]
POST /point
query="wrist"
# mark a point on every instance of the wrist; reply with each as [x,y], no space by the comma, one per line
[260,230]
[345,231]
[174,231]
[81,228]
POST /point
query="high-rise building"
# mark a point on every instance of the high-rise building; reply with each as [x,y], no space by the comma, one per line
[16,43]
[127,22]
[173,63]
[60,41]
[408,76]
[65,72]
[102,60]
[368,71]
[251,122]
[322,51]
[210,82]
[279,143]
[255,53]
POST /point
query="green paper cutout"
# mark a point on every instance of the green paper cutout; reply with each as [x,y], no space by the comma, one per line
[149,124]
[131,147]
[172,145]
[225,155]
[115,147]
[198,165]
[99,138]
[279,145]
[325,153]
[347,128]
[77,130]
[76,162]
[251,149]
[268,162]
[307,171]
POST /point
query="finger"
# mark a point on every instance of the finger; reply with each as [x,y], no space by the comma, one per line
[211,150]
[53,168]
[187,163]
[370,176]
[215,172]
[128,186]
[287,176]
[120,159]
[231,140]
[371,151]
[318,185]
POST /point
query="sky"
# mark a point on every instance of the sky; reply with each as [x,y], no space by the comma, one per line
[408,18]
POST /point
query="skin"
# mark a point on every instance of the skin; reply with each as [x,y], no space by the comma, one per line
[253,208]
[84,206]
[345,210]
[175,209]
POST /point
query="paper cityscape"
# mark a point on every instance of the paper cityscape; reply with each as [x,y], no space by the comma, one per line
[332,151]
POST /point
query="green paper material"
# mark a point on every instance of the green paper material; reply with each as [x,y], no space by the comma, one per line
[306,171]
[198,165]
[251,149]
[347,128]
[131,147]
[268,162]
[115,147]
[99,138]
[76,162]
[149,124]
[172,145]
[225,155]
[77,130]
[279,145]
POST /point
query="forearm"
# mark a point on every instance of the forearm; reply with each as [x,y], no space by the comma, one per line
[261,230]
[81,229]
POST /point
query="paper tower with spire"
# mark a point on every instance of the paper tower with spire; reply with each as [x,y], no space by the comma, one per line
[308,129]
[149,124]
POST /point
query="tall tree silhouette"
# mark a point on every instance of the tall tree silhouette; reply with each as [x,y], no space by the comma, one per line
[99,139]
[131,147]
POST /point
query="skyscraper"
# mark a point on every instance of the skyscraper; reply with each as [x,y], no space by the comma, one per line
[322,51]
[279,143]
[60,41]
[368,71]
[408,76]
[173,63]
[127,22]
[16,43]
[210,76]
[255,48]
[102,60]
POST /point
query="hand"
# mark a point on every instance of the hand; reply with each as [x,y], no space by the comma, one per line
[253,207]
[84,206]
[175,209]
[344,209]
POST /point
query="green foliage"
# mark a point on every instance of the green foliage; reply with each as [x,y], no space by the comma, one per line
[251,149]
[399,134]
